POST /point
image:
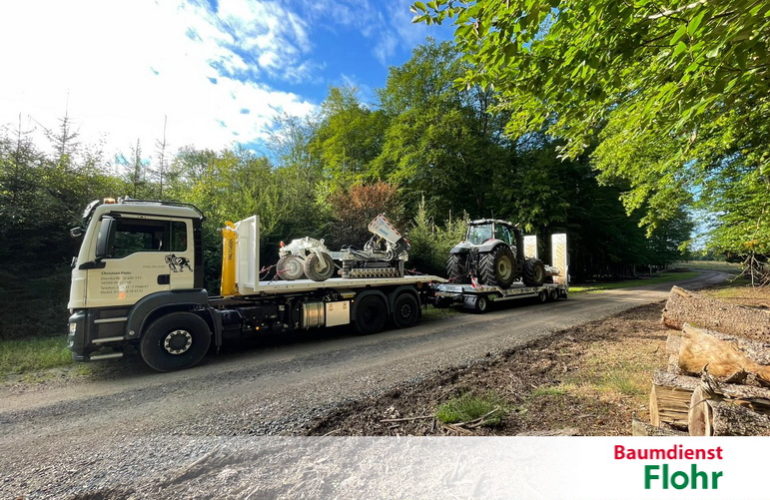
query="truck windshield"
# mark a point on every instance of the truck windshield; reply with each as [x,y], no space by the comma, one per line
[479,234]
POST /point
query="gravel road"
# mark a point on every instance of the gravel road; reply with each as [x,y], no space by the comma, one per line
[115,436]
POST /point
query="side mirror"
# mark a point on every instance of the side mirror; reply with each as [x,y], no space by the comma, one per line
[76,232]
[105,231]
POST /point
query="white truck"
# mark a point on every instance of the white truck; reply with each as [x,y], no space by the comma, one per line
[137,283]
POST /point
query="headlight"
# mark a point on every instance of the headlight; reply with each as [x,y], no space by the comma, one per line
[73,327]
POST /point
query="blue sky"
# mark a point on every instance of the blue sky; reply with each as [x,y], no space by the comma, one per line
[218,71]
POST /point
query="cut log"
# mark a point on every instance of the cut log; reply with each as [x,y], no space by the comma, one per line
[670,399]
[671,395]
[700,414]
[687,307]
[725,417]
[639,428]
[728,357]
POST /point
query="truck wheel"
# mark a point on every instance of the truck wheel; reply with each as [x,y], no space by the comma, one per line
[456,269]
[175,341]
[371,314]
[406,310]
[289,268]
[313,267]
[497,267]
[534,272]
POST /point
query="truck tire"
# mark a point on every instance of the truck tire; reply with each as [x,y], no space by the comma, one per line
[534,272]
[313,266]
[497,268]
[456,269]
[406,310]
[175,341]
[289,268]
[371,314]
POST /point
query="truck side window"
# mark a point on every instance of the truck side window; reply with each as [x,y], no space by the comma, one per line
[138,235]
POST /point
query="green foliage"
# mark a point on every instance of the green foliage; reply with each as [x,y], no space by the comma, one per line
[675,96]
[348,138]
[430,242]
[469,407]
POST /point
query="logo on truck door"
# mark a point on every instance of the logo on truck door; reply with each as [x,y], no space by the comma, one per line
[177,264]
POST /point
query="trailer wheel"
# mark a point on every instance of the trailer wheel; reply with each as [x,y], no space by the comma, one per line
[482,304]
[553,295]
[371,314]
[406,310]
[542,296]
[175,341]
[313,264]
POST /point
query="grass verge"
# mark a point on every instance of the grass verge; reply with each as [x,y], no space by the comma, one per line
[471,407]
[660,278]
[33,354]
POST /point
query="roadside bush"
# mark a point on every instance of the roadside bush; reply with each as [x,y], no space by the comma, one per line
[431,243]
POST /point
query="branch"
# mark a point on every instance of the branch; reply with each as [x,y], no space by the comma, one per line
[671,12]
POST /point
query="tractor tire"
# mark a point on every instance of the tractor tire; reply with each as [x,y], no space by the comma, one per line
[498,267]
[313,267]
[456,269]
[290,268]
[534,272]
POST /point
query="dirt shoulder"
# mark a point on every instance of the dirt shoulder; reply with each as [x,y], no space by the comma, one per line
[586,380]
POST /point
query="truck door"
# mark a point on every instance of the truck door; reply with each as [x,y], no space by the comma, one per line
[141,256]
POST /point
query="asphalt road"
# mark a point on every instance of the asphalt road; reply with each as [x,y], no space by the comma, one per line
[61,439]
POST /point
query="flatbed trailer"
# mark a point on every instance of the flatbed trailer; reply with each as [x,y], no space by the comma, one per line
[478,298]
[137,284]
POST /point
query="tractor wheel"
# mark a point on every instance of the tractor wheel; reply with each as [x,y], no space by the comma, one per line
[456,269]
[319,269]
[289,268]
[497,268]
[534,272]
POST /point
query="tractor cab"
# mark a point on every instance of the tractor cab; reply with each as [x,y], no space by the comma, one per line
[484,230]
[493,253]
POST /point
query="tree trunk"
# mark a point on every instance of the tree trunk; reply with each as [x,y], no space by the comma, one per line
[728,357]
[715,417]
[687,307]
[639,428]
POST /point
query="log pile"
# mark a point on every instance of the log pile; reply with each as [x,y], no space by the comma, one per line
[717,378]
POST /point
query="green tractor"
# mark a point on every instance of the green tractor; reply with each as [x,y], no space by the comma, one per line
[493,253]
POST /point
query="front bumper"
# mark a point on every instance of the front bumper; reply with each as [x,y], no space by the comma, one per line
[77,336]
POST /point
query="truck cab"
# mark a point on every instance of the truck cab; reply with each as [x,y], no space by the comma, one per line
[132,253]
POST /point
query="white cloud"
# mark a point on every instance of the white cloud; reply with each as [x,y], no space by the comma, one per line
[120,67]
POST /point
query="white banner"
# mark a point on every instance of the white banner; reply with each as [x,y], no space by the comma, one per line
[590,468]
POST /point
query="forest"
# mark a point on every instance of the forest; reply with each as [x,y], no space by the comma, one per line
[427,153]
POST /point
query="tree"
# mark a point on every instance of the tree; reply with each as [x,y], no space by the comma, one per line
[348,137]
[353,208]
[684,86]
[439,145]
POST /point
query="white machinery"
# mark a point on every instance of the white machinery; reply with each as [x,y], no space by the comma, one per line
[383,256]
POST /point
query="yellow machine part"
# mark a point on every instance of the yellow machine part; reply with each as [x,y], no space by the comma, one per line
[229,237]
